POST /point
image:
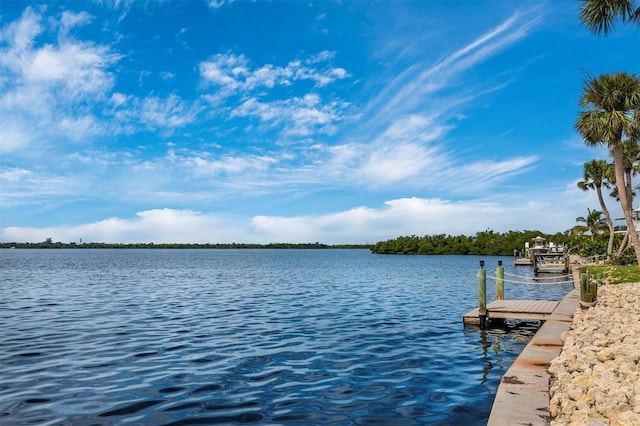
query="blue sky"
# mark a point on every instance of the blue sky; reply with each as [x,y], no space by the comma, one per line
[294,121]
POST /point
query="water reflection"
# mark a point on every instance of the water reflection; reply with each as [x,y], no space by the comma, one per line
[501,342]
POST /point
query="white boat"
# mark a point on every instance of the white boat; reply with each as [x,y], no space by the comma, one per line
[550,256]
[552,262]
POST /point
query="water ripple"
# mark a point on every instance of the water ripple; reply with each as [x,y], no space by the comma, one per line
[100,337]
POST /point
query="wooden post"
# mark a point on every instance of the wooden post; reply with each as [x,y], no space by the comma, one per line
[585,288]
[500,281]
[482,296]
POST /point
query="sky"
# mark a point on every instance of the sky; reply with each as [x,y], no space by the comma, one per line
[332,121]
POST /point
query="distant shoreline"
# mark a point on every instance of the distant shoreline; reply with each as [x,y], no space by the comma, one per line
[60,245]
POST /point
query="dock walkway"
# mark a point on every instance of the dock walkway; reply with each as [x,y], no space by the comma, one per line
[514,309]
[523,395]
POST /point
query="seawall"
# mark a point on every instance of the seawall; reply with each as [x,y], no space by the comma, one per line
[523,395]
[596,378]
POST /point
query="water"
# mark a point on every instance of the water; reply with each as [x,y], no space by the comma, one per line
[300,337]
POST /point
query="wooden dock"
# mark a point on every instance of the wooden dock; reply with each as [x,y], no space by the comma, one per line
[523,395]
[514,309]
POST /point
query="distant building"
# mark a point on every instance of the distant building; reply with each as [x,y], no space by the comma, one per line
[635,216]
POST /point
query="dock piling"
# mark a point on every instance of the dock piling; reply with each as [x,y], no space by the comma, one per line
[500,281]
[482,296]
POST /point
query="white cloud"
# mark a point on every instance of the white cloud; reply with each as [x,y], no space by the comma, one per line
[393,163]
[168,113]
[217,4]
[548,212]
[298,116]
[410,151]
[46,85]
[64,87]
[325,55]
[20,186]
[403,134]
[57,88]
[226,71]
[413,216]
[13,136]
[233,73]
[410,88]
[81,127]
[119,99]
[480,175]
[13,175]
[70,20]
[158,225]
[413,128]
[21,35]
[226,164]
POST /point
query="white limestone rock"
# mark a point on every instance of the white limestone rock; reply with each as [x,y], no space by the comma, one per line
[596,378]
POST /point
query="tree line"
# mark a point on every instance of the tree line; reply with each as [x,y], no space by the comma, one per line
[49,244]
[486,243]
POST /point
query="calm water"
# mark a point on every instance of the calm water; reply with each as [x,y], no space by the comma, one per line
[179,337]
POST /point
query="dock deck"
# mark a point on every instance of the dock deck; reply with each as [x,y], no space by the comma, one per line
[523,395]
[514,309]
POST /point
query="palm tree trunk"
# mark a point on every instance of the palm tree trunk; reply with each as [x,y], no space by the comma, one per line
[607,216]
[627,183]
[618,162]
[624,243]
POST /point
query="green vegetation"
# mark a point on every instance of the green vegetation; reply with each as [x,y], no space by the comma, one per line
[599,16]
[49,244]
[611,118]
[611,103]
[488,243]
[617,274]
[599,174]
[594,224]
[589,287]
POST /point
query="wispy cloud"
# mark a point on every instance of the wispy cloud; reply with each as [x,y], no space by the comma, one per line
[52,86]
[233,76]
[63,91]
[169,112]
[28,187]
[411,87]
[207,164]
[217,4]
[483,174]
[232,73]
[405,125]
[296,116]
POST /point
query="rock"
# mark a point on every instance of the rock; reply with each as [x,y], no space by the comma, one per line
[596,378]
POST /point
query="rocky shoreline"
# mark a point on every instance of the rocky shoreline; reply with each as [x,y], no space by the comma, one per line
[596,378]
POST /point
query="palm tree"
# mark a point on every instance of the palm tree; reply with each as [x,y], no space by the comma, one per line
[594,223]
[631,152]
[599,16]
[598,174]
[612,114]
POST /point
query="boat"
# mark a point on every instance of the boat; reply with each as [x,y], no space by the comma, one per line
[522,258]
[525,257]
[552,262]
[542,256]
